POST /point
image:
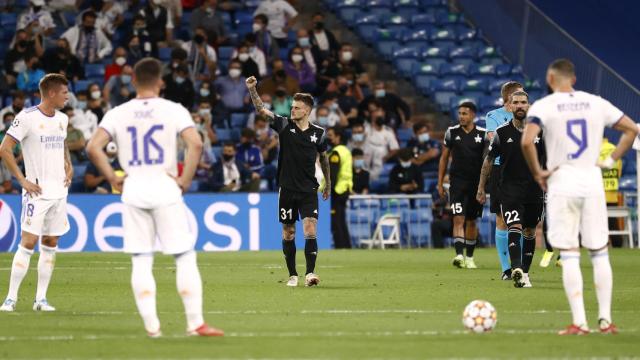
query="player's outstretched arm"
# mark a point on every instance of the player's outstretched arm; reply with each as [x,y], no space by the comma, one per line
[99,158]
[252,84]
[629,132]
[192,157]
[485,172]
[68,166]
[324,165]
[442,170]
[6,153]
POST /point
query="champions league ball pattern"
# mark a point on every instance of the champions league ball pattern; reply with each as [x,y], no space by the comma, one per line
[479,316]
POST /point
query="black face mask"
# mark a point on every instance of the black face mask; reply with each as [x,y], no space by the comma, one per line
[88,29]
[227,158]
[319,25]
[199,39]
[280,93]
[37,8]
[23,43]
[380,120]
[343,89]
[281,74]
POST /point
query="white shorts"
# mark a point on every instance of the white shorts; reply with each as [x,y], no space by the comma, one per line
[569,216]
[44,217]
[169,224]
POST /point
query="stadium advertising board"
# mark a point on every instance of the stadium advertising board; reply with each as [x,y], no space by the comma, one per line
[222,222]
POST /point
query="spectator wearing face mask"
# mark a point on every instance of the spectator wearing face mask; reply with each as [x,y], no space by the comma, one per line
[282,102]
[248,153]
[111,16]
[348,94]
[119,88]
[279,78]
[282,17]
[201,56]
[75,139]
[328,113]
[381,142]
[17,104]
[298,69]
[310,51]
[266,138]
[397,110]
[159,23]
[234,96]
[206,121]
[324,40]
[40,15]
[86,42]
[29,80]
[360,175]
[426,151]
[60,60]
[205,93]
[139,42]
[15,61]
[207,17]
[179,87]
[346,63]
[406,177]
[95,102]
[229,175]
[255,53]
[249,67]
[83,118]
[119,61]
[263,38]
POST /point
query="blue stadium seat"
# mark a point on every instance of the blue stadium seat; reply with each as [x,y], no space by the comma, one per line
[424,83]
[380,7]
[81,85]
[365,203]
[423,19]
[503,70]
[416,37]
[388,204]
[226,18]
[434,3]
[495,84]
[380,185]
[436,55]
[447,18]
[420,233]
[404,57]
[443,37]
[628,183]
[224,52]
[386,169]
[488,52]
[223,134]
[463,55]
[395,22]
[243,18]
[474,87]
[488,103]
[404,66]
[454,102]
[79,170]
[239,120]
[404,134]
[349,10]
[420,68]
[468,36]
[216,151]
[444,90]
[454,71]
[385,40]
[367,25]
[8,19]
[483,71]
[164,54]
[94,70]
[406,8]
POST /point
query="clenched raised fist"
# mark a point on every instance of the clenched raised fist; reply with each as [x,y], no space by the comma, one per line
[251,82]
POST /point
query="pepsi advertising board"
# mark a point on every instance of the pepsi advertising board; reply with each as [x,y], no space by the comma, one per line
[223,222]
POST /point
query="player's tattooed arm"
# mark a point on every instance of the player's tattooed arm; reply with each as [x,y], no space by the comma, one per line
[485,172]
[252,84]
[68,166]
[324,165]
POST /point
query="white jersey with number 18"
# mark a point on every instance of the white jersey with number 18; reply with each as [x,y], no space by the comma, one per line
[573,125]
[146,132]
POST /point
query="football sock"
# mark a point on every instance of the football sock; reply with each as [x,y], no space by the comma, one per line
[572,281]
[458,244]
[547,245]
[471,246]
[603,279]
[144,290]
[289,250]
[45,269]
[502,246]
[528,249]
[190,288]
[19,269]
[311,253]
[515,253]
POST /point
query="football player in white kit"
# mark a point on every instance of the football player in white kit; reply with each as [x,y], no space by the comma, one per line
[573,123]
[145,130]
[42,131]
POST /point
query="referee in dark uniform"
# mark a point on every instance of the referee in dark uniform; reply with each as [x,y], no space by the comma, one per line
[301,143]
[465,142]
[521,198]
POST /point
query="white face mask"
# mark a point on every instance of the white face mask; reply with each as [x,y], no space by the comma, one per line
[297,58]
[121,60]
[405,164]
[243,57]
[204,92]
[235,73]
[96,94]
[257,27]
[347,56]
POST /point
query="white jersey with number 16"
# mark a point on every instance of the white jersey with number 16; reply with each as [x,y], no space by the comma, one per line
[573,125]
[146,132]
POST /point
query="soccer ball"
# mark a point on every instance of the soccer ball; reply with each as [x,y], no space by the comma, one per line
[479,316]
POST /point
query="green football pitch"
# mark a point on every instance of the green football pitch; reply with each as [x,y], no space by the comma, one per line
[392,304]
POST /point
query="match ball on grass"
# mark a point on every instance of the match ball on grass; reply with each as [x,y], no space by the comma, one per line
[479,316]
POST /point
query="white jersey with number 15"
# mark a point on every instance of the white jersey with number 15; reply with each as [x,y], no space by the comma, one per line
[146,132]
[573,125]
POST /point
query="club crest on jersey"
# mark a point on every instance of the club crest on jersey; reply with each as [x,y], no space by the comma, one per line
[457,137]
[510,140]
[313,138]
[293,130]
[477,138]
[15,122]
[537,140]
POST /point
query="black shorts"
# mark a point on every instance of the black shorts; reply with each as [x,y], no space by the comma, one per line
[462,197]
[292,203]
[527,215]
[492,189]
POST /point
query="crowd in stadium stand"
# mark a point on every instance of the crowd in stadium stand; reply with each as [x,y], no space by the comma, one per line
[209,47]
